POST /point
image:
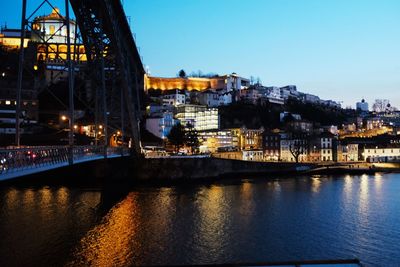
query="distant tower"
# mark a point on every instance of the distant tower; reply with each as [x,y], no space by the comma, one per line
[362,106]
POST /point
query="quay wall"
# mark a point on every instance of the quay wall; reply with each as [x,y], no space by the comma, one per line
[197,168]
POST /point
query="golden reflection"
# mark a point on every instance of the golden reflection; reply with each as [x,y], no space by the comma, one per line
[246,199]
[112,242]
[45,203]
[62,197]
[245,190]
[28,198]
[315,184]
[45,197]
[213,218]
[11,198]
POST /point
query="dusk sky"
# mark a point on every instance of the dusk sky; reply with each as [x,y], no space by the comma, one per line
[342,50]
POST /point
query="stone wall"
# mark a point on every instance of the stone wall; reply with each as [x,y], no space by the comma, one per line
[196,168]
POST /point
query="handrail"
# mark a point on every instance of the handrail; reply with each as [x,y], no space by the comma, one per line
[20,159]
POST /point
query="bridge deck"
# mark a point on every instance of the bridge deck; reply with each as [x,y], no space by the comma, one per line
[15,163]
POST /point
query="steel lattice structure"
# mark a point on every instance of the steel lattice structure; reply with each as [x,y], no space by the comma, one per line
[114,67]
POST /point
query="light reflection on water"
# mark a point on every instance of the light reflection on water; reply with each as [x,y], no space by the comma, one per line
[239,221]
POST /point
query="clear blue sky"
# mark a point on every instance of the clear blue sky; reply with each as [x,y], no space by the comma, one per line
[338,49]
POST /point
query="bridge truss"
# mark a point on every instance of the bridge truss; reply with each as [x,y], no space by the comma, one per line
[113,77]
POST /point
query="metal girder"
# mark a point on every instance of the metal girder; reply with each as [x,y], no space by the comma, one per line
[110,45]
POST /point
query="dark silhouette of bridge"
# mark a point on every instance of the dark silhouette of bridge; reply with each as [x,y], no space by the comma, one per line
[114,75]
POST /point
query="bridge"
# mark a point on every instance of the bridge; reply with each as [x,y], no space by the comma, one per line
[111,93]
[15,163]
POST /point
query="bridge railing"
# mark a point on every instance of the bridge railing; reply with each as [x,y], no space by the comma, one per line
[20,159]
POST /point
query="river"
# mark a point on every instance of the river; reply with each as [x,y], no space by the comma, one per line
[231,221]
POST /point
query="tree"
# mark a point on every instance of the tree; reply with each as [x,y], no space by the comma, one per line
[177,136]
[380,105]
[182,74]
[191,138]
[297,147]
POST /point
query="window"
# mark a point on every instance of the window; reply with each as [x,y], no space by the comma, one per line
[52,29]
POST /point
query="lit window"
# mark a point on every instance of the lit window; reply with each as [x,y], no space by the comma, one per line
[52,29]
[8,102]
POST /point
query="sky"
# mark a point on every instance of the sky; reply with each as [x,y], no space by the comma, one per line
[343,50]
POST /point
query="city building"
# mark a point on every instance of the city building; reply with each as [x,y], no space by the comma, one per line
[250,95]
[271,94]
[201,117]
[272,146]
[294,145]
[381,154]
[160,125]
[289,116]
[174,98]
[374,123]
[303,126]
[227,83]
[247,139]
[154,108]
[8,119]
[209,98]
[362,106]
[247,155]
[11,38]
[327,146]
[224,98]
[289,91]
[215,141]
[347,152]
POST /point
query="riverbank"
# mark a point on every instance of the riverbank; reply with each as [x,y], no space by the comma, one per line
[202,168]
[189,170]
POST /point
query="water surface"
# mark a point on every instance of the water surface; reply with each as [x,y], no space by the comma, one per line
[248,220]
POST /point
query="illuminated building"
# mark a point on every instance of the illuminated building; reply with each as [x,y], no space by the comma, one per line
[228,83]
[247,155]
[52,29]
[213,141]
[347,152]
[381,154]
[247,139]
[272,146]
[11,38]
[201,117]
[296,144]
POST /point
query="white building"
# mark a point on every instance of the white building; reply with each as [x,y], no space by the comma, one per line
[288,144]
[326,147]
[52,29]
[201,117]
[253,155]
[273,95]
[233,82]
[225,99]
[378,154]
[174,99]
